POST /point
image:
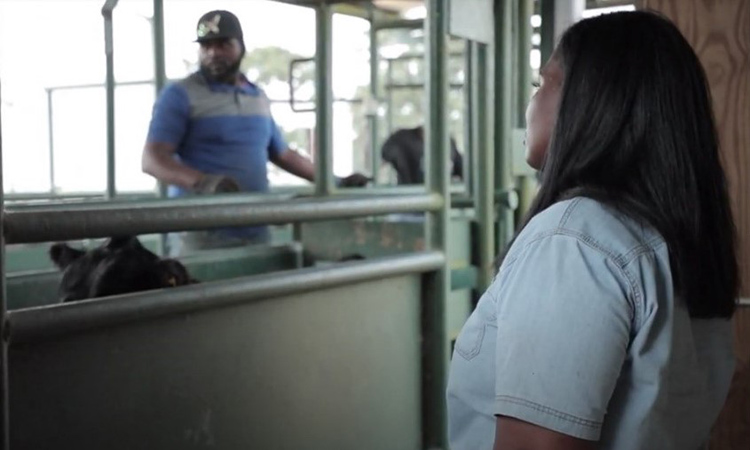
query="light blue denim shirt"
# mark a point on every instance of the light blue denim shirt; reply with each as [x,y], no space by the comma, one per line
[581,333]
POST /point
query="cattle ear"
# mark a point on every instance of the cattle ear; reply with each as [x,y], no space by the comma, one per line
[173,273]
[123,242]
[62,255]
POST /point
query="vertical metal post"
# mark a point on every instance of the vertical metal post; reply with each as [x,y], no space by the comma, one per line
[556,18]
[503,79]
[547,30]
[482,93]
[51,142]
[4,332]
[324,105]
[523,63]
[107,9]
[160,79]
[389,98]
[526,184]
[374,93]
[434,334]
[157,24]
[470,118]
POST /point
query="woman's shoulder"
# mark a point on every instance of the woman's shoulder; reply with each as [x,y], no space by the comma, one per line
[595,224]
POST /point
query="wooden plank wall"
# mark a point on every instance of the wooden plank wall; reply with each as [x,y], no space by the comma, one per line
[719,31]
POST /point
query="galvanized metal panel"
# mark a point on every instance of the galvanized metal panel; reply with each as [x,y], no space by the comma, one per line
[334,369]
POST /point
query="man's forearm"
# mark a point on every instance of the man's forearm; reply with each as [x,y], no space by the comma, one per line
[296,164]
[170,171]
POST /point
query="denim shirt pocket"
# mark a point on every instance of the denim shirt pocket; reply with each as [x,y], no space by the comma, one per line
[469,341]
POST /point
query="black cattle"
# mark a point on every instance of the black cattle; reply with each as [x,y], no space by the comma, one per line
[119,266]
[404,150]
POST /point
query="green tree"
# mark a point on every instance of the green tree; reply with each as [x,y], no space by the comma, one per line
[265,65]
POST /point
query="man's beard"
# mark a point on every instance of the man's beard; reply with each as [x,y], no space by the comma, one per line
[220,72]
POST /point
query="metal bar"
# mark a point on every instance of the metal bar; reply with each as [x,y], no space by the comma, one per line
[345,7]
[50,322]
[481,99]
[160,67]
[470,118]
[413,24]
[411,56]
[154,202]
[593,4]
[160,80]
[51,141]
[48,223]
[373,117]
[107,9]
[167,80]
[525,184]
[435,354]
[290,81]
[277,192]
[389,98]
[98,85]
[396,86]
[503,76]
[523,64]
[324,94]
[86,196]
[5,387]
[547,30]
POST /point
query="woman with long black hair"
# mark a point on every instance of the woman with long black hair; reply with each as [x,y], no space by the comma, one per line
[607,325]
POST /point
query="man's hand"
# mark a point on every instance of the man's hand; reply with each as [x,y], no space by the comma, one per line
[215,184]
[354,180]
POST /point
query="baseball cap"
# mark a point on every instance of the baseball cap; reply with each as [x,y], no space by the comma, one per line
[218,24]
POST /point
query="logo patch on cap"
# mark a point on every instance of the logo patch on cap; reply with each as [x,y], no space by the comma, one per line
[209,26]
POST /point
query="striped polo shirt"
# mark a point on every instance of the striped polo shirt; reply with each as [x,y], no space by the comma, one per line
[219,129]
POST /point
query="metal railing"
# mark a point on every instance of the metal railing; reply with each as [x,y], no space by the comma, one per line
[34,324]
[47,223]
[44,223]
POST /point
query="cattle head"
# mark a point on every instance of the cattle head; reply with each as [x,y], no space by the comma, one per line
[119,266]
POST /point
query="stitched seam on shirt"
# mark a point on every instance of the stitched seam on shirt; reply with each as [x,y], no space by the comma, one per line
[593,244]
[547,410]
[550,232]
[568,212]
[589,242]
[536,238]
[647,247]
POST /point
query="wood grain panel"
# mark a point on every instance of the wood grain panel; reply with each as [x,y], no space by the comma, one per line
[719,31]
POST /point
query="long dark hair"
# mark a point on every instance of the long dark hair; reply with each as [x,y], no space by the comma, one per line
[635,130]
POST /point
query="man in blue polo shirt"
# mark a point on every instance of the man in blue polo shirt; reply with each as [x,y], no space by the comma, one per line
[213,132]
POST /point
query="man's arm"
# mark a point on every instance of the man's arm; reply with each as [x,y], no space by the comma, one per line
[169,123]
[294,163]
[514,434]
[158,161]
